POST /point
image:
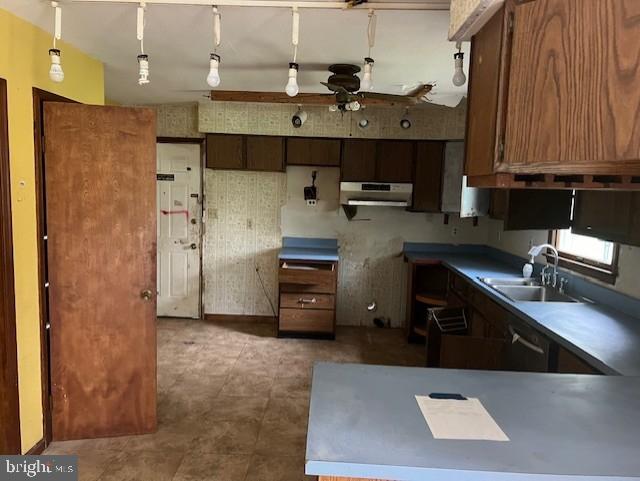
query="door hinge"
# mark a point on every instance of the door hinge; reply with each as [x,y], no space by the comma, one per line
[501,151]
[510,23]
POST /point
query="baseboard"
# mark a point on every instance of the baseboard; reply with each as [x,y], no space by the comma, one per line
[239,318]
[38,448]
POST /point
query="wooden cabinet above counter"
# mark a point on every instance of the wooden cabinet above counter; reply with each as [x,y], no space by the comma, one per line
[554,96]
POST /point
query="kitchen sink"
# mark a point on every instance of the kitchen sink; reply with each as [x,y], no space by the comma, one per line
[527,290]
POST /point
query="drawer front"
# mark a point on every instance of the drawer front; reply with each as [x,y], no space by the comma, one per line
[306,320]
[301,300]
[320,280]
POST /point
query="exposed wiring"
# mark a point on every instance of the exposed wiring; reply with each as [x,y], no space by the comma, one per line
[371,30]
[217,20]
[266,294]
[295,32]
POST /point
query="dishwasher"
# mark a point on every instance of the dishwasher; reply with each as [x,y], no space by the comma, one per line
[526,349]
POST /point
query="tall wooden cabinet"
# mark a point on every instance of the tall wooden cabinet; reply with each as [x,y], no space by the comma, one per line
[554,96]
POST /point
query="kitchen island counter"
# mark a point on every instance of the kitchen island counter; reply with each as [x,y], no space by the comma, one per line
[364,422]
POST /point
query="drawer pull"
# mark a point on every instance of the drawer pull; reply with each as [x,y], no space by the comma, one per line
[302,300]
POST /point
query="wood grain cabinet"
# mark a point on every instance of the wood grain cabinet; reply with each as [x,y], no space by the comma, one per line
[313,151]
[377,160]
[554,96]
[245,152]
[524,209]
[427,183]
[307,298]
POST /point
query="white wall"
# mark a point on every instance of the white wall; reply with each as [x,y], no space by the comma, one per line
[371,263]
[517,242]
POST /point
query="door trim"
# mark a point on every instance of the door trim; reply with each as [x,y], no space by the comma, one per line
[203,163]
[39,97]
[8,342]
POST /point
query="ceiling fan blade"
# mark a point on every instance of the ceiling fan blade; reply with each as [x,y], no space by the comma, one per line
[415,96]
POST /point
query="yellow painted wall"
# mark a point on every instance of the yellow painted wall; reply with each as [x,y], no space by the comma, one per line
[24,64]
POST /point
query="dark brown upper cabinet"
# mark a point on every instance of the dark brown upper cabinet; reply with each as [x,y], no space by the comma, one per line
[377,161]
[358,160]
[310,151]
[608,215]
[427,185]
[394,160]
[554,96]
[524,209]
[265,153]
[245,152]
[225,151]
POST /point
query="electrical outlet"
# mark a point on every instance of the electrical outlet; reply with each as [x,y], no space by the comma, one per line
[454,232]
[312,202]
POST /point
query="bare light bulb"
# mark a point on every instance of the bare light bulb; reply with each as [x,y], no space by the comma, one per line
[366,83]
[55,72]
[143,69]
[459,78]
[292,84]
[213,79]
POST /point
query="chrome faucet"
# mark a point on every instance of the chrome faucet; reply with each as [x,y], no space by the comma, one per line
[535,251]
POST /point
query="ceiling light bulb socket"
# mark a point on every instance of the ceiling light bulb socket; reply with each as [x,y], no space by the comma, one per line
[293,66]
[214,56]
[54,52]
[143,57]
[368,61]
[458,55]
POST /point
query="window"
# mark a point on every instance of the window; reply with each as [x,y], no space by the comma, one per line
[587,255]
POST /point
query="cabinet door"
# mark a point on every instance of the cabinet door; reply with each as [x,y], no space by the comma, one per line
[538,209]
[265,153]
[358,161]
[427,185]
[613,216]
[484,94]
[225,151]
[394,161]
[307,151]
[574,88]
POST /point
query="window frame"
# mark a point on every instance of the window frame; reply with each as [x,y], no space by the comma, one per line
[601,271]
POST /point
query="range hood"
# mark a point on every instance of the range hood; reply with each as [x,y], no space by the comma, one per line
[354,194]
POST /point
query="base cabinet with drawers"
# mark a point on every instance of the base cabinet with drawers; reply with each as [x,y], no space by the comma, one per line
[307,298]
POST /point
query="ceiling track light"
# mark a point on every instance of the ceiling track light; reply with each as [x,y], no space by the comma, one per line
[213,78]
[405,121]
[367,81]
[56,73]
[292,88]
[143,59]
[459,78]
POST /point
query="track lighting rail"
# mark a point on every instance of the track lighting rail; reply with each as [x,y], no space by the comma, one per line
[424,5]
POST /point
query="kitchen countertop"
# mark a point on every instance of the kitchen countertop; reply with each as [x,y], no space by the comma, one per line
[309,249]
[364,422]
[605,338]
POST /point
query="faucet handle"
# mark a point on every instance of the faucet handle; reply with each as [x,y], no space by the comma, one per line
[563,283]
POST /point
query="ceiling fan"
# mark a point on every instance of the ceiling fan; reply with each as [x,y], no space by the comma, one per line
[345,85]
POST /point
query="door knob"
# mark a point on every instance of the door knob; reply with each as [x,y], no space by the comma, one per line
[146,294]
[193,246]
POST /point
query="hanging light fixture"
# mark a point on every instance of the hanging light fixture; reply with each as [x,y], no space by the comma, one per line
[459,78]
[367,81]
[55,71]
[292,88]
[213,78]
[143,59]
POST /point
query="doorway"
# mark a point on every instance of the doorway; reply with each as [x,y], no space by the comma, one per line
[9,407]
[179,204]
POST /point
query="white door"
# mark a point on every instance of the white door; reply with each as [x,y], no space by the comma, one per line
[179,223]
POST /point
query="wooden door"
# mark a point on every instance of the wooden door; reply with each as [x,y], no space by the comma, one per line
[574,88]
[9,410]
[358,161]
[538,209]
[100,170]
[608,215]
[225,151]
[265,153]
[308,151]
[394,161]
[427,185]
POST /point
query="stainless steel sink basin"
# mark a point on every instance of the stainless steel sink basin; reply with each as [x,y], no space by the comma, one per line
[526,290]
[533,294]
[510,281]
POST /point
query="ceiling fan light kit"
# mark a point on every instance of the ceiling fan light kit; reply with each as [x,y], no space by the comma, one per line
[56,74]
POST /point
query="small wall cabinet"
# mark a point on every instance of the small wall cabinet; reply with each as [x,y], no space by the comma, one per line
[377,161]
[523,209]
[245,152]
[313,151]
[535,115]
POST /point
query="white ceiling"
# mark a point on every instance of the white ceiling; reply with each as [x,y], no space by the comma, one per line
[411,47]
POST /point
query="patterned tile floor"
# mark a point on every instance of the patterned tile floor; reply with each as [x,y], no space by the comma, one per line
[232,403]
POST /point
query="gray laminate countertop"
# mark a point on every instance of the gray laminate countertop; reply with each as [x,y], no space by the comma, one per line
[364,422]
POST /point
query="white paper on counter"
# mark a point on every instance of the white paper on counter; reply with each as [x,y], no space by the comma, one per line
[459,419]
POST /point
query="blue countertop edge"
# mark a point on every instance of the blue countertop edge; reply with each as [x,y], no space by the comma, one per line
[309,248]
[448,254]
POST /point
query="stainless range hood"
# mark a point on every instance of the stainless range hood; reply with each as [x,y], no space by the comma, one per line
[354,194]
